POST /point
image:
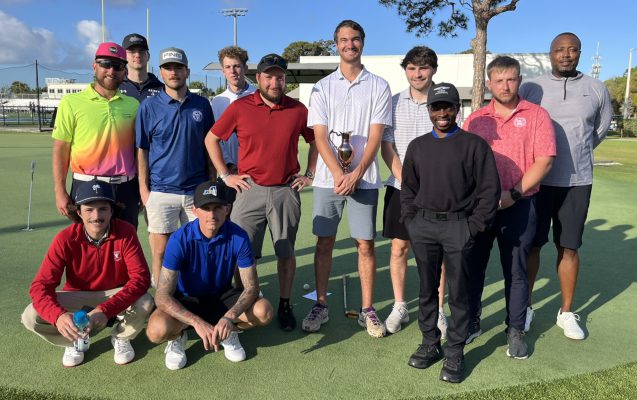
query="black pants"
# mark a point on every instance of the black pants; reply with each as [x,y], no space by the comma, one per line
[514,228]
[127,195]
[433,240]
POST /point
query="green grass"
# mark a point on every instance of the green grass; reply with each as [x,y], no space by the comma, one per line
[341,361]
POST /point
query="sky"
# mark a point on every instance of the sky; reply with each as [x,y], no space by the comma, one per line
[63,34]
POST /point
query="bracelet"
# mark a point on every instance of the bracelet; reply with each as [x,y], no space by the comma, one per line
[228,319]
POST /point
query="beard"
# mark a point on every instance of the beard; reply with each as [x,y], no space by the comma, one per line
[272,98]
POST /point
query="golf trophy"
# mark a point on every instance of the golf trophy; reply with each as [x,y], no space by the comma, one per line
[345,151]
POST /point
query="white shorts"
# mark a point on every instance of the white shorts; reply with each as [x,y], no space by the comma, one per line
[166,211]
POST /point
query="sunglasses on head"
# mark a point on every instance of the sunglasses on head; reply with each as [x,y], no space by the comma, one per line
[275,60]
[108,64]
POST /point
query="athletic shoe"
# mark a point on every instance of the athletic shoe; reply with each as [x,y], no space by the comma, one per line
[452,370]
[517,345]
[529,318]
[176,352]
[287,321]
[474,330]
[425,356]
[399,315]
[317,316]
[369,320]
[232,348]
[72,357]
[124,352]
[568,322]
[442,323]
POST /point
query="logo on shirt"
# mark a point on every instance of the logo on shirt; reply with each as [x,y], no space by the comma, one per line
[519,122]
[197,115]
[117,255]
[96,188]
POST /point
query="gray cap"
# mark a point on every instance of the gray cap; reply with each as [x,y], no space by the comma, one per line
[172,55]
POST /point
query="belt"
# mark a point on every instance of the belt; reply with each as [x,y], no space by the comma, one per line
[108,179]
[444,216]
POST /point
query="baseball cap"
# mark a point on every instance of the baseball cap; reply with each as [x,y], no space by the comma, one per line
[94,190]
[443,92]
[111,50]
[272,61]
[213,192]
[172,55]
[134,39]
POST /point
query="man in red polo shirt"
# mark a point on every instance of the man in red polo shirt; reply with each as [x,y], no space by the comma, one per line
[268,125]
[522,138]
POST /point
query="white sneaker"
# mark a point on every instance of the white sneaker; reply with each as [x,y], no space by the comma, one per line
[529,318]
[442,323]
[232,348]
[124,352]
[399,315]
[72,357]
[568,322]
[176,352]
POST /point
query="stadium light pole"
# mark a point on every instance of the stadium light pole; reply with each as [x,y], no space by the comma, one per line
[627,94]
[234,12]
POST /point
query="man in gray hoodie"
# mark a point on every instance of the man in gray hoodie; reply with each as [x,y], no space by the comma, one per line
[580,108]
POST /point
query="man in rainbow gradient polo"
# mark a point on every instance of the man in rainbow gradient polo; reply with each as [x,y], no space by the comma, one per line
[94,135]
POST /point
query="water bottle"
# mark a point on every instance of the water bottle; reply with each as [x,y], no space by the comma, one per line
[81,320]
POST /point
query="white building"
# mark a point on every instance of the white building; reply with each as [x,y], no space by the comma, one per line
[58,87]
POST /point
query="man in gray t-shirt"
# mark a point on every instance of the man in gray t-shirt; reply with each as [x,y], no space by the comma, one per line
[580,109]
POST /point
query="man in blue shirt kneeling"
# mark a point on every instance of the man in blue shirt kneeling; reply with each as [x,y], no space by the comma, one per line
[194,288]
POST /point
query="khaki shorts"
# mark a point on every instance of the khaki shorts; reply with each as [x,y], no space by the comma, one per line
[166,211]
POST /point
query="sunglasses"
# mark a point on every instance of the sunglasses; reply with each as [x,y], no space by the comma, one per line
[108,64]
[275,60]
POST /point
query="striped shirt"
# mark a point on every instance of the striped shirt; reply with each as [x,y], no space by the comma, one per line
[342,106]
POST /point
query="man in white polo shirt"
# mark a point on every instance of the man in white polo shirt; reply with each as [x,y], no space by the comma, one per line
[349,100]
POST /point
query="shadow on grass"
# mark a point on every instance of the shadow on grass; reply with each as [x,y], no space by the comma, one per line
[62,222]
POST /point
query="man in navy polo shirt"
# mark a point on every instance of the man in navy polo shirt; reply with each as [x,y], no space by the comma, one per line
[195,288]
[172,159]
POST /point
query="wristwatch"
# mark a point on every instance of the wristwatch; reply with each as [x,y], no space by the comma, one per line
[309,174]
[515,195]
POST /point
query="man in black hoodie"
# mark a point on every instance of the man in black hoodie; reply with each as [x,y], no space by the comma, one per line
[139,83]
[450,193]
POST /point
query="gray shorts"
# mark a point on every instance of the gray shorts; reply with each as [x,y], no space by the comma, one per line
[361,212]
[278,207]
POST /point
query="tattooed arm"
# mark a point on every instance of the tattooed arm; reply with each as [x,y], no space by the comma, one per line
[246,300]
[166,302]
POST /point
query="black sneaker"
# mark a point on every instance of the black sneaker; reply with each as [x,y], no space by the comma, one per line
[474,330]
[425,356]
[286,318]
[517,345]
[452,370]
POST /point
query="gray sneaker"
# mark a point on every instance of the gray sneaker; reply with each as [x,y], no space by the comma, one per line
[317,316]
[398,316]
[517,345]
[370,321]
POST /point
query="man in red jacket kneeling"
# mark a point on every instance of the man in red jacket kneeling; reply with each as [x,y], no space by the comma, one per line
[106,273]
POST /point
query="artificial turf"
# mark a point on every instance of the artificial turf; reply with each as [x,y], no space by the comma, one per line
[341,361]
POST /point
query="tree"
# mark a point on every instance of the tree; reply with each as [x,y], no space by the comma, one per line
[419,17]
[205,92]
[19,87]
[617,89]
[294,51]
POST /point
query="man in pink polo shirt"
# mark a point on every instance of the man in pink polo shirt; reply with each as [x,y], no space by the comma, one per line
[94,136]
[268,125]
[523,141]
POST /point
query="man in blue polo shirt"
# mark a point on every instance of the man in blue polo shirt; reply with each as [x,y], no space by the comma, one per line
[195,288]
[171,156]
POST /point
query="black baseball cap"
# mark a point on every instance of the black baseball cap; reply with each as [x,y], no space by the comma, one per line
[213,192]
[90,191]
[443,92]
[134,39]
[272,60]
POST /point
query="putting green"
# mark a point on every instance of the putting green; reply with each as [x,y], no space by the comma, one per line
[341,361]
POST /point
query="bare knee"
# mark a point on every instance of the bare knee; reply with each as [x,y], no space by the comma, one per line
[399,248]
[159,329]
[325,245]
[365,248]
[262,311]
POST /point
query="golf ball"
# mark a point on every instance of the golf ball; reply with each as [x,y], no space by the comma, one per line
[306,286]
